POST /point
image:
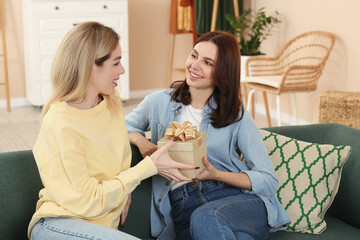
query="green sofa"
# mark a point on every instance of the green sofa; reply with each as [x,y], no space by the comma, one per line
[20,184]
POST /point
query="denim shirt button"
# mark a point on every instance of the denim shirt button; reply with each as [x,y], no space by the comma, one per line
[176,113]
[167,184]
[159,200]
[174,106]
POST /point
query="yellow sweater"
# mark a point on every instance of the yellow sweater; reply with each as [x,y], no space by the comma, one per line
[83,157]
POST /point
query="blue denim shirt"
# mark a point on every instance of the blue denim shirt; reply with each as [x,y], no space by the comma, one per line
[158,109]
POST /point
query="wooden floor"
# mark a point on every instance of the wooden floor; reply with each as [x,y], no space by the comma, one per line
[20,127]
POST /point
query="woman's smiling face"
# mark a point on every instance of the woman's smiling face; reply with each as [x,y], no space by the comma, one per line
[200,65]
[105,77]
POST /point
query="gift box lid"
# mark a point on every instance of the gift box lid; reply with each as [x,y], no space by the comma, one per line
[187,146]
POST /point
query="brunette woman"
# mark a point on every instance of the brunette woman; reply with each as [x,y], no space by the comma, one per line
[230,199]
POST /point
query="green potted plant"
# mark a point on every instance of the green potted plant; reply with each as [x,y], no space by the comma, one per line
[253,27]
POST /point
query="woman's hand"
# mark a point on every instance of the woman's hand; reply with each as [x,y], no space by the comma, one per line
[125,212]
[209,173]
[240,180]
[167,167]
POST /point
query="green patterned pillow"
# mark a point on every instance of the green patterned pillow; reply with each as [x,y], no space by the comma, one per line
[309,177]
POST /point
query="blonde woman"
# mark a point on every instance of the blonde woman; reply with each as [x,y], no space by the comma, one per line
[82,151]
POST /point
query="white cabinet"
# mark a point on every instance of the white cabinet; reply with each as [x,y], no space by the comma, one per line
[45,24]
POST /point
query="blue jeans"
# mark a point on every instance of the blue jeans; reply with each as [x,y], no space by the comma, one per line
[214,210]
[67,228]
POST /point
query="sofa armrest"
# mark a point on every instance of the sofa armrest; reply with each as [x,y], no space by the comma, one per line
[19,190]
[315,133]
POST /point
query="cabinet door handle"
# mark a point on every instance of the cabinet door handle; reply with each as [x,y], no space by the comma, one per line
[105,7]
[57,8]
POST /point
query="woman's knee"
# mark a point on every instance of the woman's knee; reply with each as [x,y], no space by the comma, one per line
[206,216]
[207,222]
[202,214]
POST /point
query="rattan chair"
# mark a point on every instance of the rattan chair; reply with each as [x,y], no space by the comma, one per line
[297,68]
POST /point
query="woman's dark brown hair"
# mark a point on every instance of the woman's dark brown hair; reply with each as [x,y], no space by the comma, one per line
[226,77]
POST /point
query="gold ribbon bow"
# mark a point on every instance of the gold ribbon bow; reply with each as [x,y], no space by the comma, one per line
[183,131]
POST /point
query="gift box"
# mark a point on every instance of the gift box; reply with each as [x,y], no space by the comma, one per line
[189,149]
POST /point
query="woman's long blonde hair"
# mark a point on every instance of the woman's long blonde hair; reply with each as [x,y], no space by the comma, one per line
[87,43]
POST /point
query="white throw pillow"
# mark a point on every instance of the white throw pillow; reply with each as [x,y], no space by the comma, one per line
[309,177]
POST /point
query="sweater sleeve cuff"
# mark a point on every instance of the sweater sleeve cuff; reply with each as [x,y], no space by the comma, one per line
[147,168]
[143,170]
[132,177]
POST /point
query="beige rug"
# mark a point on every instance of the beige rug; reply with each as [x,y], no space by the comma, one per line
[18,136]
